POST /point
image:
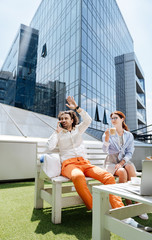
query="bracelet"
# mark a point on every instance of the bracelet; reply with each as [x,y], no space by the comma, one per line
[77,108]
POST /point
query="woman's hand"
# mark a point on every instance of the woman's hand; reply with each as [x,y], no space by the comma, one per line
[71,103]
[120,165]
[107,134]
[117,166]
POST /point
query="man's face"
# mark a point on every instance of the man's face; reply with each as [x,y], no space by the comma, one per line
[66,121]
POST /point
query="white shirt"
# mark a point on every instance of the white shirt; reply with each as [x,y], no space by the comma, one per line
[71,143]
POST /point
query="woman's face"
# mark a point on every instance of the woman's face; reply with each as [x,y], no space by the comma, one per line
[116,120]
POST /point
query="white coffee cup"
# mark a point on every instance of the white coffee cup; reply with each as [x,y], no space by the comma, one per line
[136,180]
[112,131]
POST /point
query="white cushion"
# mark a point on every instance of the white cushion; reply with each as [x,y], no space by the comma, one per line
[51,165]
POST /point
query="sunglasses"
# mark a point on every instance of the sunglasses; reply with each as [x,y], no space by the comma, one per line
[114,118]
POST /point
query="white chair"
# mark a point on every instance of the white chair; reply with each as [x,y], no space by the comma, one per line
[55,194]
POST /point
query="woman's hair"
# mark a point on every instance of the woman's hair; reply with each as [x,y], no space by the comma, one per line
[121,115]
[72,115]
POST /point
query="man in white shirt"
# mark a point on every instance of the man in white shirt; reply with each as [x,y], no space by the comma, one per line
[75,166]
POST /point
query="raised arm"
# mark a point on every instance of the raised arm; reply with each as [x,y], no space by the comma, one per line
[72,104]
[85,116]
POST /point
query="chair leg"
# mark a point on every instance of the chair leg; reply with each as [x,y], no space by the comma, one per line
[56,202]
[39,184]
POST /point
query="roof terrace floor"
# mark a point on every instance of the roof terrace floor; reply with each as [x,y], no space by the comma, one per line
[20,221]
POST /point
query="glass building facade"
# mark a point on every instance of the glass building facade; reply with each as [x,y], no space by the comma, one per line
[6,83]
[81,39]
[21,62]
[78,44]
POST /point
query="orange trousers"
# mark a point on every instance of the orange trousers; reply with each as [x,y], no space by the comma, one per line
[77,168]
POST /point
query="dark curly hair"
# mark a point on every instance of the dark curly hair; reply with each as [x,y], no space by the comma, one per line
[72,115]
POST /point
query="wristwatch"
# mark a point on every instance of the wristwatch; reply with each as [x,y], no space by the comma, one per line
[77,108]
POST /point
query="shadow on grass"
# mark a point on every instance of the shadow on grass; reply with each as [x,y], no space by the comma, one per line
[16,184]
[145,222]
[75,221]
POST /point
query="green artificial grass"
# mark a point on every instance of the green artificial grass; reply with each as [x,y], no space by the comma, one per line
[20,221]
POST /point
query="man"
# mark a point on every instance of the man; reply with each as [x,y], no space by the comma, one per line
[75,166]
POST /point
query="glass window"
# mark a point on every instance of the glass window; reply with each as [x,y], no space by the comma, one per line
[77,70]
[96,117]
[83,102]
[83,71]
[72,73]
[73,40]
[83,90]
[84,10]
[94,80]
[84,39]
[102,87]
[73,14]
[66,74]
[62,53]
[66,49]
[89,77]
[101,111]
[94,24]
[68,20]
[89,17]
[89,45]
[84,57]
[94,51]
[44,51]
[98,83]
[89,94]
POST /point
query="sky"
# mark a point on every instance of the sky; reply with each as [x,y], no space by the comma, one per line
[137,15]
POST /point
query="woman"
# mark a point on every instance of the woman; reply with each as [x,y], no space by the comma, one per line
[120,148]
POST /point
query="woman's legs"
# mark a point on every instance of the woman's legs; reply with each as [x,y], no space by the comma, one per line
[122,174]
[130,171]
[125,174]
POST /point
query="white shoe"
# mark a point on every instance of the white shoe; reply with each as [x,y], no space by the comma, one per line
[133,223]
[127,220]
[144,216]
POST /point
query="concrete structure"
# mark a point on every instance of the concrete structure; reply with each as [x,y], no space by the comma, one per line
[130,90]
[20,130]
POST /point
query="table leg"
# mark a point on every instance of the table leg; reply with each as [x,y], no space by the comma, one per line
[100,207]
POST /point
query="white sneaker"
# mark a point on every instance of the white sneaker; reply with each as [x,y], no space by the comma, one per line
[133,223]
[144,216]
[127,220]
[148,229]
